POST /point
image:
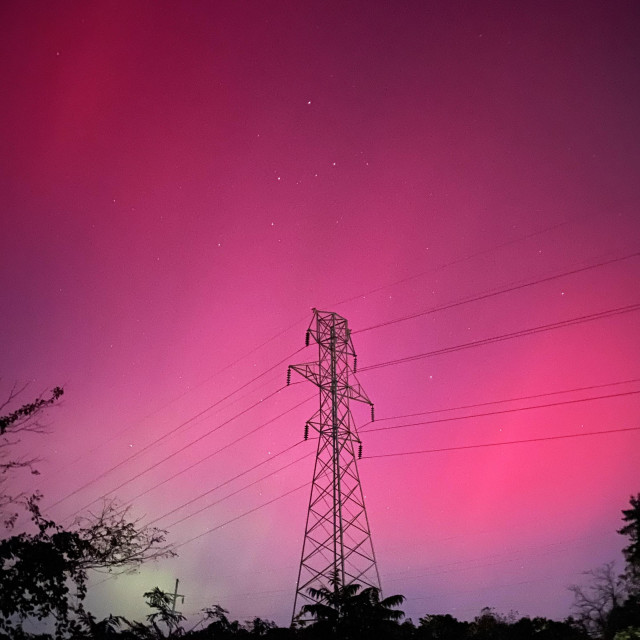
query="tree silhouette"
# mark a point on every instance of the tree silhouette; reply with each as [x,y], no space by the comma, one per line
[25,419]
[44,575]
[632,531]
[351,612]
[609,605]
[99,629]
[441,627]
[162,602]
[594,602]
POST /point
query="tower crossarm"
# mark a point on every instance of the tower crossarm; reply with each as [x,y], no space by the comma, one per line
[310,371]
[354,391]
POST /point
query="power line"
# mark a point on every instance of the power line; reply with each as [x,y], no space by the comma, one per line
[175,453]
[179,397]
[170,433]
[573,401]
[508,336]
[529,397]
[226,482]
[452,263]
[383,455]
[282,332]
[281,496]
[287,493]
[363,431]
[477,343]
[502,411]
[437,352]
[492,294]
[226,522]
[502,444]
[214,453]
[247,486]
[242,515]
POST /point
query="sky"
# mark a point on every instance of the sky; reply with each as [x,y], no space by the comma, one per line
[182,183]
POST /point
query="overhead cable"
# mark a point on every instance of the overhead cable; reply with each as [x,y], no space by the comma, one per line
[492,294]
[501,411]
[502,444]
[509,336]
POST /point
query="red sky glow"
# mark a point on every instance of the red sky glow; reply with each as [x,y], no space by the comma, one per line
[182,182]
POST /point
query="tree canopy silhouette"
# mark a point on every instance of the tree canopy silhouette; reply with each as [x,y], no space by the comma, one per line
[632,530]
[43,575]
[350,612]
[27,418]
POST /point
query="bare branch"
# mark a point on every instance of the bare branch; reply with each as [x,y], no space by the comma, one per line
[594,602]
[37,571]
[119,543]
[13,394]
[25,419]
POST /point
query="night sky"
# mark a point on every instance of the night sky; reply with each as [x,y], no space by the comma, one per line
[182,182]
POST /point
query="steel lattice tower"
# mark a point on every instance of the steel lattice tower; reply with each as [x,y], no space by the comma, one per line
[337,549]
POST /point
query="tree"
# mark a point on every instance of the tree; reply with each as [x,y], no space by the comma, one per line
[259,628]
[25,419]
[632,531]
[367,615]
[632,633]
[539,628]
[100,629]
[625,617]
[117,542]
[329,605]
[441,627]
[610,604]
[490,625]
[44,575]
[348,611]
[219,627]
[163,604]
[594,604]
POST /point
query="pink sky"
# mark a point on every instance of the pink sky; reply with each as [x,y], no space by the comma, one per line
[183,182]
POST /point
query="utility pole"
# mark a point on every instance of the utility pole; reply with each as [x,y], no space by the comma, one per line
[174,598]
[337,549]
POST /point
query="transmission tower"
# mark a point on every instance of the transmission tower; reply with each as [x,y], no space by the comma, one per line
[337,549]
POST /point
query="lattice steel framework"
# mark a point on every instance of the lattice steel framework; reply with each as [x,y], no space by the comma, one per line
[337,549]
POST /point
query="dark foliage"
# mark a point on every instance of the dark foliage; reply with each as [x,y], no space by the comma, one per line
[441,627]
[44,575]
[18,419]
[38,573]
[25,419]
[632,530]
[610,604]
[351,612]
